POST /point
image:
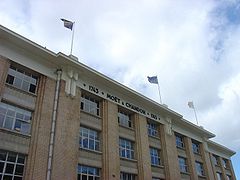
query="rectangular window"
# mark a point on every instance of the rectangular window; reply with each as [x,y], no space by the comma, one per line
[225,163]
[229,177]
[182,164]
[199,168]
[155,156]
[219,176]
[127,176]
[152,129]
[11,165]
[215,160]
[126,148]
[124,119]
[88,173]
[89,139]
[196,147]
[22,80]
[14,118]
[90,105]
[179,141]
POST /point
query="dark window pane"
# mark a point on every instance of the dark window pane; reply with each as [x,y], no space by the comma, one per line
[17,178]
[20,159]
[1,167]
[32,88]
[11,157]
[9,168]
[84,177]
[1,120]
[7,177]
[2,156]
[10,79]
[19,170]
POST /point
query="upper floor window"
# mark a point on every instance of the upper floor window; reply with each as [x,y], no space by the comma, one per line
[155,156]
[229,177]
[11,165]
[179,141]
[89,139]
[152,128]
[126,148]
[90,105]
[127,176]
[124,119]
[199,168]
[196,147]
[14,118]
[219,176]
[88,173]
[225,163]
[22,79]
[215,159]
[182,164]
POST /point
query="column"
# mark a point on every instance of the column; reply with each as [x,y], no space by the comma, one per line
[142,144]
[4,66]
[110,129]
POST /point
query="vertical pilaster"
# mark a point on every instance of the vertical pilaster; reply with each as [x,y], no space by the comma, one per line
[169,153]
[111,161]
[222,168]
[4,66]
[208,163]
[142,144]
[66,145]
[191,158]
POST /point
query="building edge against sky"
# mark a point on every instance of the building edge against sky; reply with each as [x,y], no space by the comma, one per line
[62,119]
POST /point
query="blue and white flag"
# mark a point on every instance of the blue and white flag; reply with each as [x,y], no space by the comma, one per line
[153,79]
[67,24]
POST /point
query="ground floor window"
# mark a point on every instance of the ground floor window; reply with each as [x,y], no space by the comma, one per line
[88,173]
[127,176]
[11,165]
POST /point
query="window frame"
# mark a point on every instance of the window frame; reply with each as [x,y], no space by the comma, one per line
[12,115]
[88,171]
[126,148]
[155,156]
[196,147]
[179,141]
[92,136]
[22,78]
[125,119]
[90,104]
[127,176]
[183,166]
[152,129]
[199,168]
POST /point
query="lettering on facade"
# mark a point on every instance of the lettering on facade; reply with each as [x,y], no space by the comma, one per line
[93,89]
[133,107]
[113,98]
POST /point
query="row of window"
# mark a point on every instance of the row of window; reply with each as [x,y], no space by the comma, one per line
[216,161]
[220,176]
[180,143]
[184,167]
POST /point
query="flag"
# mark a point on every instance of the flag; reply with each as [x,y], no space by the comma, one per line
[153,79]
[68,24]
[190,104]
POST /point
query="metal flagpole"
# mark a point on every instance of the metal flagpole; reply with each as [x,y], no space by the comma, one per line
[159,93]
[72,38]
[195,114]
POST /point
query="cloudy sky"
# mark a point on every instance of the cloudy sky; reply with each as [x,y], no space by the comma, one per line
[192,46]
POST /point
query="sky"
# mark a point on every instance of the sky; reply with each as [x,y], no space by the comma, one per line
[192,46]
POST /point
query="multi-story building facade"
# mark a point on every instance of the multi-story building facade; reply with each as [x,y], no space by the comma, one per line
[60,119]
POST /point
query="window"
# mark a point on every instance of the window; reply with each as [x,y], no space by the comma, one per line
[155,178]
[126,149]
[215,160]
[219,176]
[127,176]
[179,141]
[124,119]
[155,157]
[182,164]
[90,105]
[196,147]
[199,168]
[11,165]
[225,163]
[88,173]
[89,139]
[152,129]
[21,79]
[229,177]
[14,118]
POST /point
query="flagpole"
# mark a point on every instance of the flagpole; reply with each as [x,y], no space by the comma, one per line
[72,38]
[195,114]
[159,93]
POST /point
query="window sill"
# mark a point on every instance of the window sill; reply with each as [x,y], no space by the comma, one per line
[158,166]
[182,148]
[186,173]
[20,90]
[197,153]
[9,131]
[127,159]
[88,113]
[202,176]
[130,128]
[155,137]
[91,150]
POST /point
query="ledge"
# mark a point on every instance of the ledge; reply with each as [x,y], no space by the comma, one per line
[9,131]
